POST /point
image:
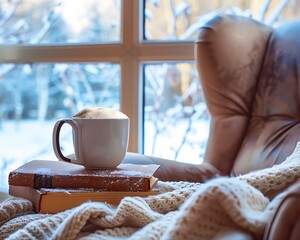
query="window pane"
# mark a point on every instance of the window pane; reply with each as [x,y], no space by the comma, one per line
[181,19]
[61,21]
[176,119]
[34,96]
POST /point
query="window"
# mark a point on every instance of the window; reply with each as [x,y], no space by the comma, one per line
[56,58]
[176,121]
[136,56]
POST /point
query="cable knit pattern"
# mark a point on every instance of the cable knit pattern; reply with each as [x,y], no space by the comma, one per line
[180,211]
[14,207]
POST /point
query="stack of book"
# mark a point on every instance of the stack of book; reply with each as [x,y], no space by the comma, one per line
[54,186]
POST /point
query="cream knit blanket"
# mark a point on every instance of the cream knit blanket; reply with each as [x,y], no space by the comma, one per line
[182,210]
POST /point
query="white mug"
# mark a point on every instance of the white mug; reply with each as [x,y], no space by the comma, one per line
[99,143]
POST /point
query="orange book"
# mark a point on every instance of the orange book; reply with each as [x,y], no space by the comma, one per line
[59,174]
[56,200]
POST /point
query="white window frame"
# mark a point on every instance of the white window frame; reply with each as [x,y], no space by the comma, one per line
[131,53]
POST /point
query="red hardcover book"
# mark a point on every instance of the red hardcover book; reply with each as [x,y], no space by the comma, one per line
[59,174]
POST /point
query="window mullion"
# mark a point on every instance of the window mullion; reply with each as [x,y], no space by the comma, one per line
[61,53]
[137,52]
[166,51]
[131,87]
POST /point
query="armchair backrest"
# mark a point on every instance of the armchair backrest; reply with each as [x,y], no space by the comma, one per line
[250,74]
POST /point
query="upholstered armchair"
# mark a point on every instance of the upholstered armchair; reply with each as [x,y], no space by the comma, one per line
[250,74]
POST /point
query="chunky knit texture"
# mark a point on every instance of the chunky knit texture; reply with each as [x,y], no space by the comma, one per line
[182,210]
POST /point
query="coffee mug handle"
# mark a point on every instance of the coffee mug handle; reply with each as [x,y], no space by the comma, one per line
[56,137]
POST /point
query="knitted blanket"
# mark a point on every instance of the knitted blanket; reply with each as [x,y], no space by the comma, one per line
[182,210]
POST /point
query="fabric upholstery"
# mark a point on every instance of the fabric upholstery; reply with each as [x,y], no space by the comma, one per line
[286,222]
[249,74]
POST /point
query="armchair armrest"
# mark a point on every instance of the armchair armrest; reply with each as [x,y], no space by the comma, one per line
[286,220]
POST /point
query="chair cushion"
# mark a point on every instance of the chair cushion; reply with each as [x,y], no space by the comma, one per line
[274,125]
[229,51]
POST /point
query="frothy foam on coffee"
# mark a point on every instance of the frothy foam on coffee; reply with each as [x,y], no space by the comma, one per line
[99,112]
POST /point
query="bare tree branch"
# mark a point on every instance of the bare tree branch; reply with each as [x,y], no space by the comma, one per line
[262,12]
[275,15]
[9,12]
[86,84]
[42,80]
[6,70]
[174,19]
[52,16]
